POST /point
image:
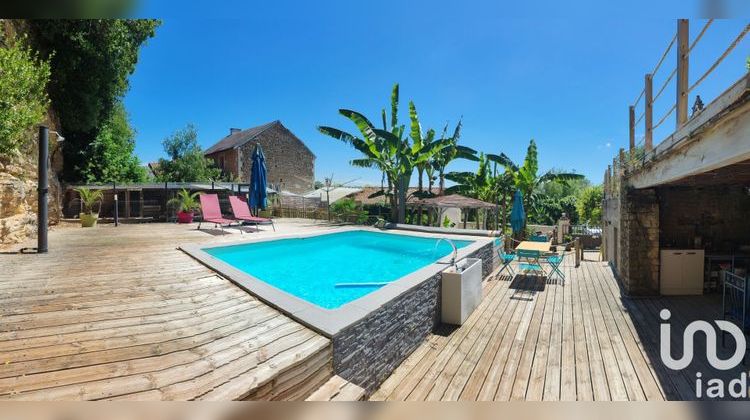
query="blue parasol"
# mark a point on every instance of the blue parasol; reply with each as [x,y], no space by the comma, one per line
[517,213]
[257,196]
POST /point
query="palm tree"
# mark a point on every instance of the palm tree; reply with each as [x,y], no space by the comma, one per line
[526,177]
[90,198]
[388,150]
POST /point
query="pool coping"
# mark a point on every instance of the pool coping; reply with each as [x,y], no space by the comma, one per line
[329,322]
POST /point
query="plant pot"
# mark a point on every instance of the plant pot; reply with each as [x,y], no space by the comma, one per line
[88,219]
[185,217]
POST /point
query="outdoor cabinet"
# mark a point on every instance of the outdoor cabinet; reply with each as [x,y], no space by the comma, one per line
[681,272]
[461,290]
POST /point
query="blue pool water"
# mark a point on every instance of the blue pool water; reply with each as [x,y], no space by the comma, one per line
[310,268]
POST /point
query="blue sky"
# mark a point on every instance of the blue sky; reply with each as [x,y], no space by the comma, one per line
[513,76]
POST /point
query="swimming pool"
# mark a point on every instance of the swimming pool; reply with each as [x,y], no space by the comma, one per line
[372,329]
[331,270]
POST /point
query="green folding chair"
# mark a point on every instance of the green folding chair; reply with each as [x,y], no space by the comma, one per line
[506,260]
[555,263]
[530,261]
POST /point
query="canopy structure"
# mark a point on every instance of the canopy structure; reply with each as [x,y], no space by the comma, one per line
[453,201]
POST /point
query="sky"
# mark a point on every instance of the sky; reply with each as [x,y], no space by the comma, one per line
[510,73]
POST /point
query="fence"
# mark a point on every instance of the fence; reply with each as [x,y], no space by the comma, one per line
[149,201]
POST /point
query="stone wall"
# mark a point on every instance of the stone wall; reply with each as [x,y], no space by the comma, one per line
[367,352]
[638,259]
[718,214]
[288,161]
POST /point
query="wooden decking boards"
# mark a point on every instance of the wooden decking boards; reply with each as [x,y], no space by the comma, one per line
[536,340]
[121,313]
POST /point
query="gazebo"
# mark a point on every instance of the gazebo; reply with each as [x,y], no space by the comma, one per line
[441,204]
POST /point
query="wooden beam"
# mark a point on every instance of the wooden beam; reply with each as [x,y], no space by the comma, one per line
[631,112]
[682,71]
[649,118]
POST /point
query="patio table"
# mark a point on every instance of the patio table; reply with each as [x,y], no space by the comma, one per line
[542,247]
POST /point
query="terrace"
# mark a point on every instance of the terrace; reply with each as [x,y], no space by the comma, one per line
[121,313]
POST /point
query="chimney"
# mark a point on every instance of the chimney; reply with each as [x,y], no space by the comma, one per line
[234,130]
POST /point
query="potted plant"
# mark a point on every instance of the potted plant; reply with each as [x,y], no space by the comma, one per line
[89,198]
[186,203]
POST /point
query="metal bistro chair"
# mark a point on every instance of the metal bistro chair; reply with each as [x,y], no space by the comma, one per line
[505,259]
[530,261]
[538,238]
[555,262]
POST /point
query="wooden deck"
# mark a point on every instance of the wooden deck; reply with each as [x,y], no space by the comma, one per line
[120,313]
[534,341]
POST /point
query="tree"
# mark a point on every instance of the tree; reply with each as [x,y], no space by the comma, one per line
[23,98]
[419,142]
[589,204]
[112,153]
[526,177]
[186,162]
[476,185]
[91,61]
[450,151]
[387,150]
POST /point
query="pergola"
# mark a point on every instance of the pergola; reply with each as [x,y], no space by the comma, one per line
[458,201]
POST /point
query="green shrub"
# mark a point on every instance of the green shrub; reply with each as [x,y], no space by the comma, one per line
[348,210]
[23,96]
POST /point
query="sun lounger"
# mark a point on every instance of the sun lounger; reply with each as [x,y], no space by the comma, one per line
[242,212]
[211,212]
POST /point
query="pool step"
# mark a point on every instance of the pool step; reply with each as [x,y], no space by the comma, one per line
[338,389]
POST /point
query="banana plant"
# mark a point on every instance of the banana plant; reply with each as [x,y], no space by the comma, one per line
[526,177]
[388,150]
[419,143]
[450,151]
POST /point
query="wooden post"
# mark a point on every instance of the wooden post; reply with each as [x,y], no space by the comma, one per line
[682,71]
[578,253]
[649,118]
[631,112]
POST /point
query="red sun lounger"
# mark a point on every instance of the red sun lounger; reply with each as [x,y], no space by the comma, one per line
[212,212]
[242,212]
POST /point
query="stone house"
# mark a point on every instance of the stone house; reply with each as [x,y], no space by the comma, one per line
[290,164]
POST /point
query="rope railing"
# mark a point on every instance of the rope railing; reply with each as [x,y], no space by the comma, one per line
[700,35]
[640,118]
[721,57]
[656,67]
[663,56]
[664,118]
[664,86]
[632,159]
[635,104]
